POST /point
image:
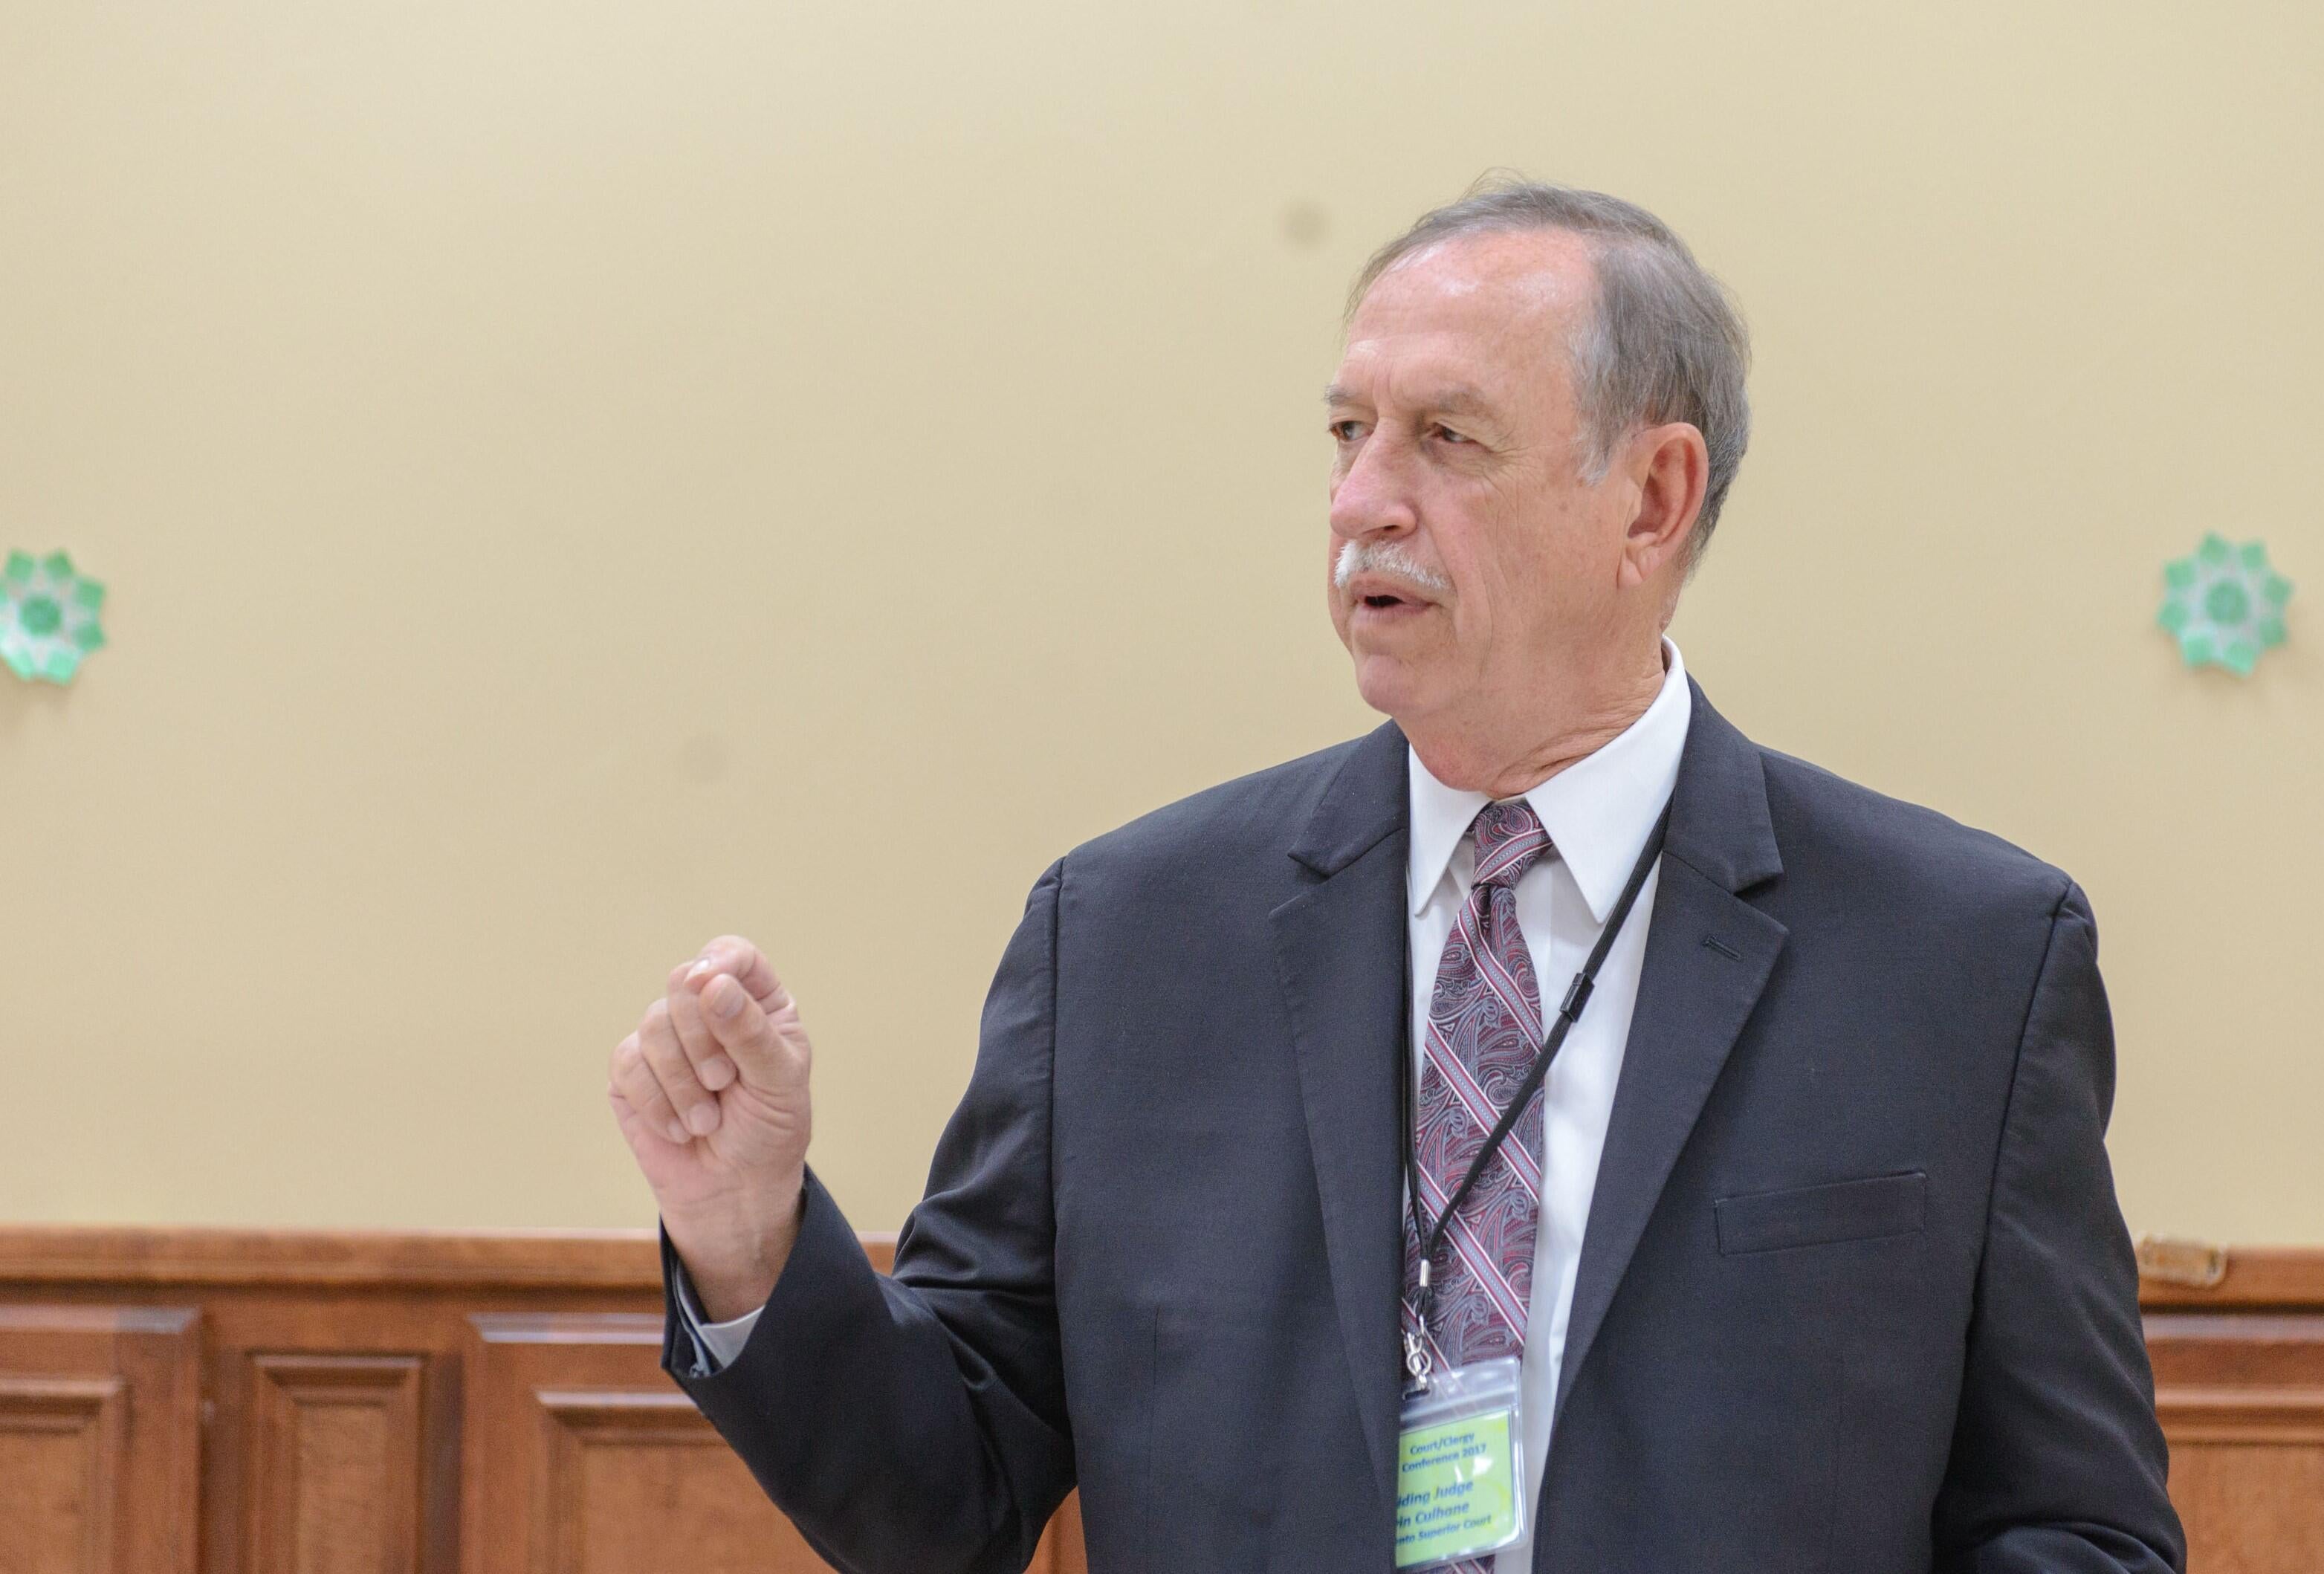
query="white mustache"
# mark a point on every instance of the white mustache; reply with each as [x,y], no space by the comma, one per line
[1393,558]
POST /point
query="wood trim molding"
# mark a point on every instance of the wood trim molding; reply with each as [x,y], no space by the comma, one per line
[2226,1414]
[609,1259]
[2285,1278]
[547,1259]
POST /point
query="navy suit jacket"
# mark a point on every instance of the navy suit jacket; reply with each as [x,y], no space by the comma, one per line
[1855,1296]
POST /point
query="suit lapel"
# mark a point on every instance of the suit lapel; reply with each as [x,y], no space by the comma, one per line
[1709,954]
[1340,956]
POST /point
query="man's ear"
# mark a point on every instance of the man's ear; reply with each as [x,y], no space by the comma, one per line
[1670,469]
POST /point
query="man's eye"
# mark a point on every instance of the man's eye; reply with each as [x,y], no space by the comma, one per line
[1450,436]
[1345,431]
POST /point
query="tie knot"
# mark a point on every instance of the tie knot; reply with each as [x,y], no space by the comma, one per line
[1509,838]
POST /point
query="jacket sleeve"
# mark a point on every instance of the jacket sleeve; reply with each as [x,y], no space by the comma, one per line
[2057,1461]
[916,1425]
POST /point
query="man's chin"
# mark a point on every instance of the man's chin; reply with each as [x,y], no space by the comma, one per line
[1389,684]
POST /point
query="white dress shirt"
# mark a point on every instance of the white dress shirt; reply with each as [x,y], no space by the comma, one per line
[1598,812]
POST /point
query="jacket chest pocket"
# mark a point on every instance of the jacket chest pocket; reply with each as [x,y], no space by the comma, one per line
[1842,1211]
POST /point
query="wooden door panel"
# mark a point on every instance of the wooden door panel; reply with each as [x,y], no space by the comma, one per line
[100,1439]
[61,1442]
[2242,1401]
[579,1456]
[336,1471]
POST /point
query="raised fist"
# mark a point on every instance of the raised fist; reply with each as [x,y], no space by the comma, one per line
[711,1092]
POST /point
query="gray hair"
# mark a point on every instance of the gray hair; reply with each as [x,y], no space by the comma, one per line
[1666,342]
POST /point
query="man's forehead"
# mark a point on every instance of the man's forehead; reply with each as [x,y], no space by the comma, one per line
[1468,320]
[1469,278]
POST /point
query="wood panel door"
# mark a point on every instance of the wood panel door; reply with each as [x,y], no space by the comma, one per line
[2242,1401]
[579,1456]
[334,1452]
[100,1439]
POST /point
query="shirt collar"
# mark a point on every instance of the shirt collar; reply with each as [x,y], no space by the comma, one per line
[1598,811]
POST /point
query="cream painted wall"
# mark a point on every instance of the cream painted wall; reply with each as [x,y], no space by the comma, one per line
[576,478]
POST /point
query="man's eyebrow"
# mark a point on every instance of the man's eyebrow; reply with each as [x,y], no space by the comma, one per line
[1459,399]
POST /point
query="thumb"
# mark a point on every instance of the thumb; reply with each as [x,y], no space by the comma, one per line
[745,963]
[765,1057]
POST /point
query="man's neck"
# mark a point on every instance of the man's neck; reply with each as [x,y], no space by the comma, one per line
[1510,753]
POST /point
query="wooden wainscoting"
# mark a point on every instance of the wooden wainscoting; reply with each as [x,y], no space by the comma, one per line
[276,1402]
[2239,1384]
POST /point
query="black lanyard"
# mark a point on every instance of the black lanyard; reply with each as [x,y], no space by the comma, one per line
[1569,1012]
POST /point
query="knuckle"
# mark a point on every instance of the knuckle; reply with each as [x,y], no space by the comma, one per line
[639,1091]
[642,1089]
[665,1056]
[675,1074]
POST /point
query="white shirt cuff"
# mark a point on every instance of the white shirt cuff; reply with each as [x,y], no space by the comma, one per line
[721,1341]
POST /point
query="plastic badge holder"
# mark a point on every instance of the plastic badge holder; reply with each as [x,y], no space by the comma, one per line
[1460,1467]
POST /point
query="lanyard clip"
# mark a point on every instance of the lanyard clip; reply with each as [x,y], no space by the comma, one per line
[1415,1361]
[1415,1340]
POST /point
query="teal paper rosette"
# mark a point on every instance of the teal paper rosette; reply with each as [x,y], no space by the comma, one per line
[2224,604]
[49,617]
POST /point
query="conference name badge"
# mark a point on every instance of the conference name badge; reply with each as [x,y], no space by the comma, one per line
[1459,1466]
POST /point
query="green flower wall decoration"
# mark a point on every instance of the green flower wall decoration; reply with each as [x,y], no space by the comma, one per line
[2224,604]
[48,616]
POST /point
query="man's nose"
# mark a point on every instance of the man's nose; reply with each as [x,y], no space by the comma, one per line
[1373,496]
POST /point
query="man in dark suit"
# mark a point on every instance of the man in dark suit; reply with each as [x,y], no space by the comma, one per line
[1790,1223]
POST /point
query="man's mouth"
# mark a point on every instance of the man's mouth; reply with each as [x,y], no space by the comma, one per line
[1379,594]
[1382,592]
